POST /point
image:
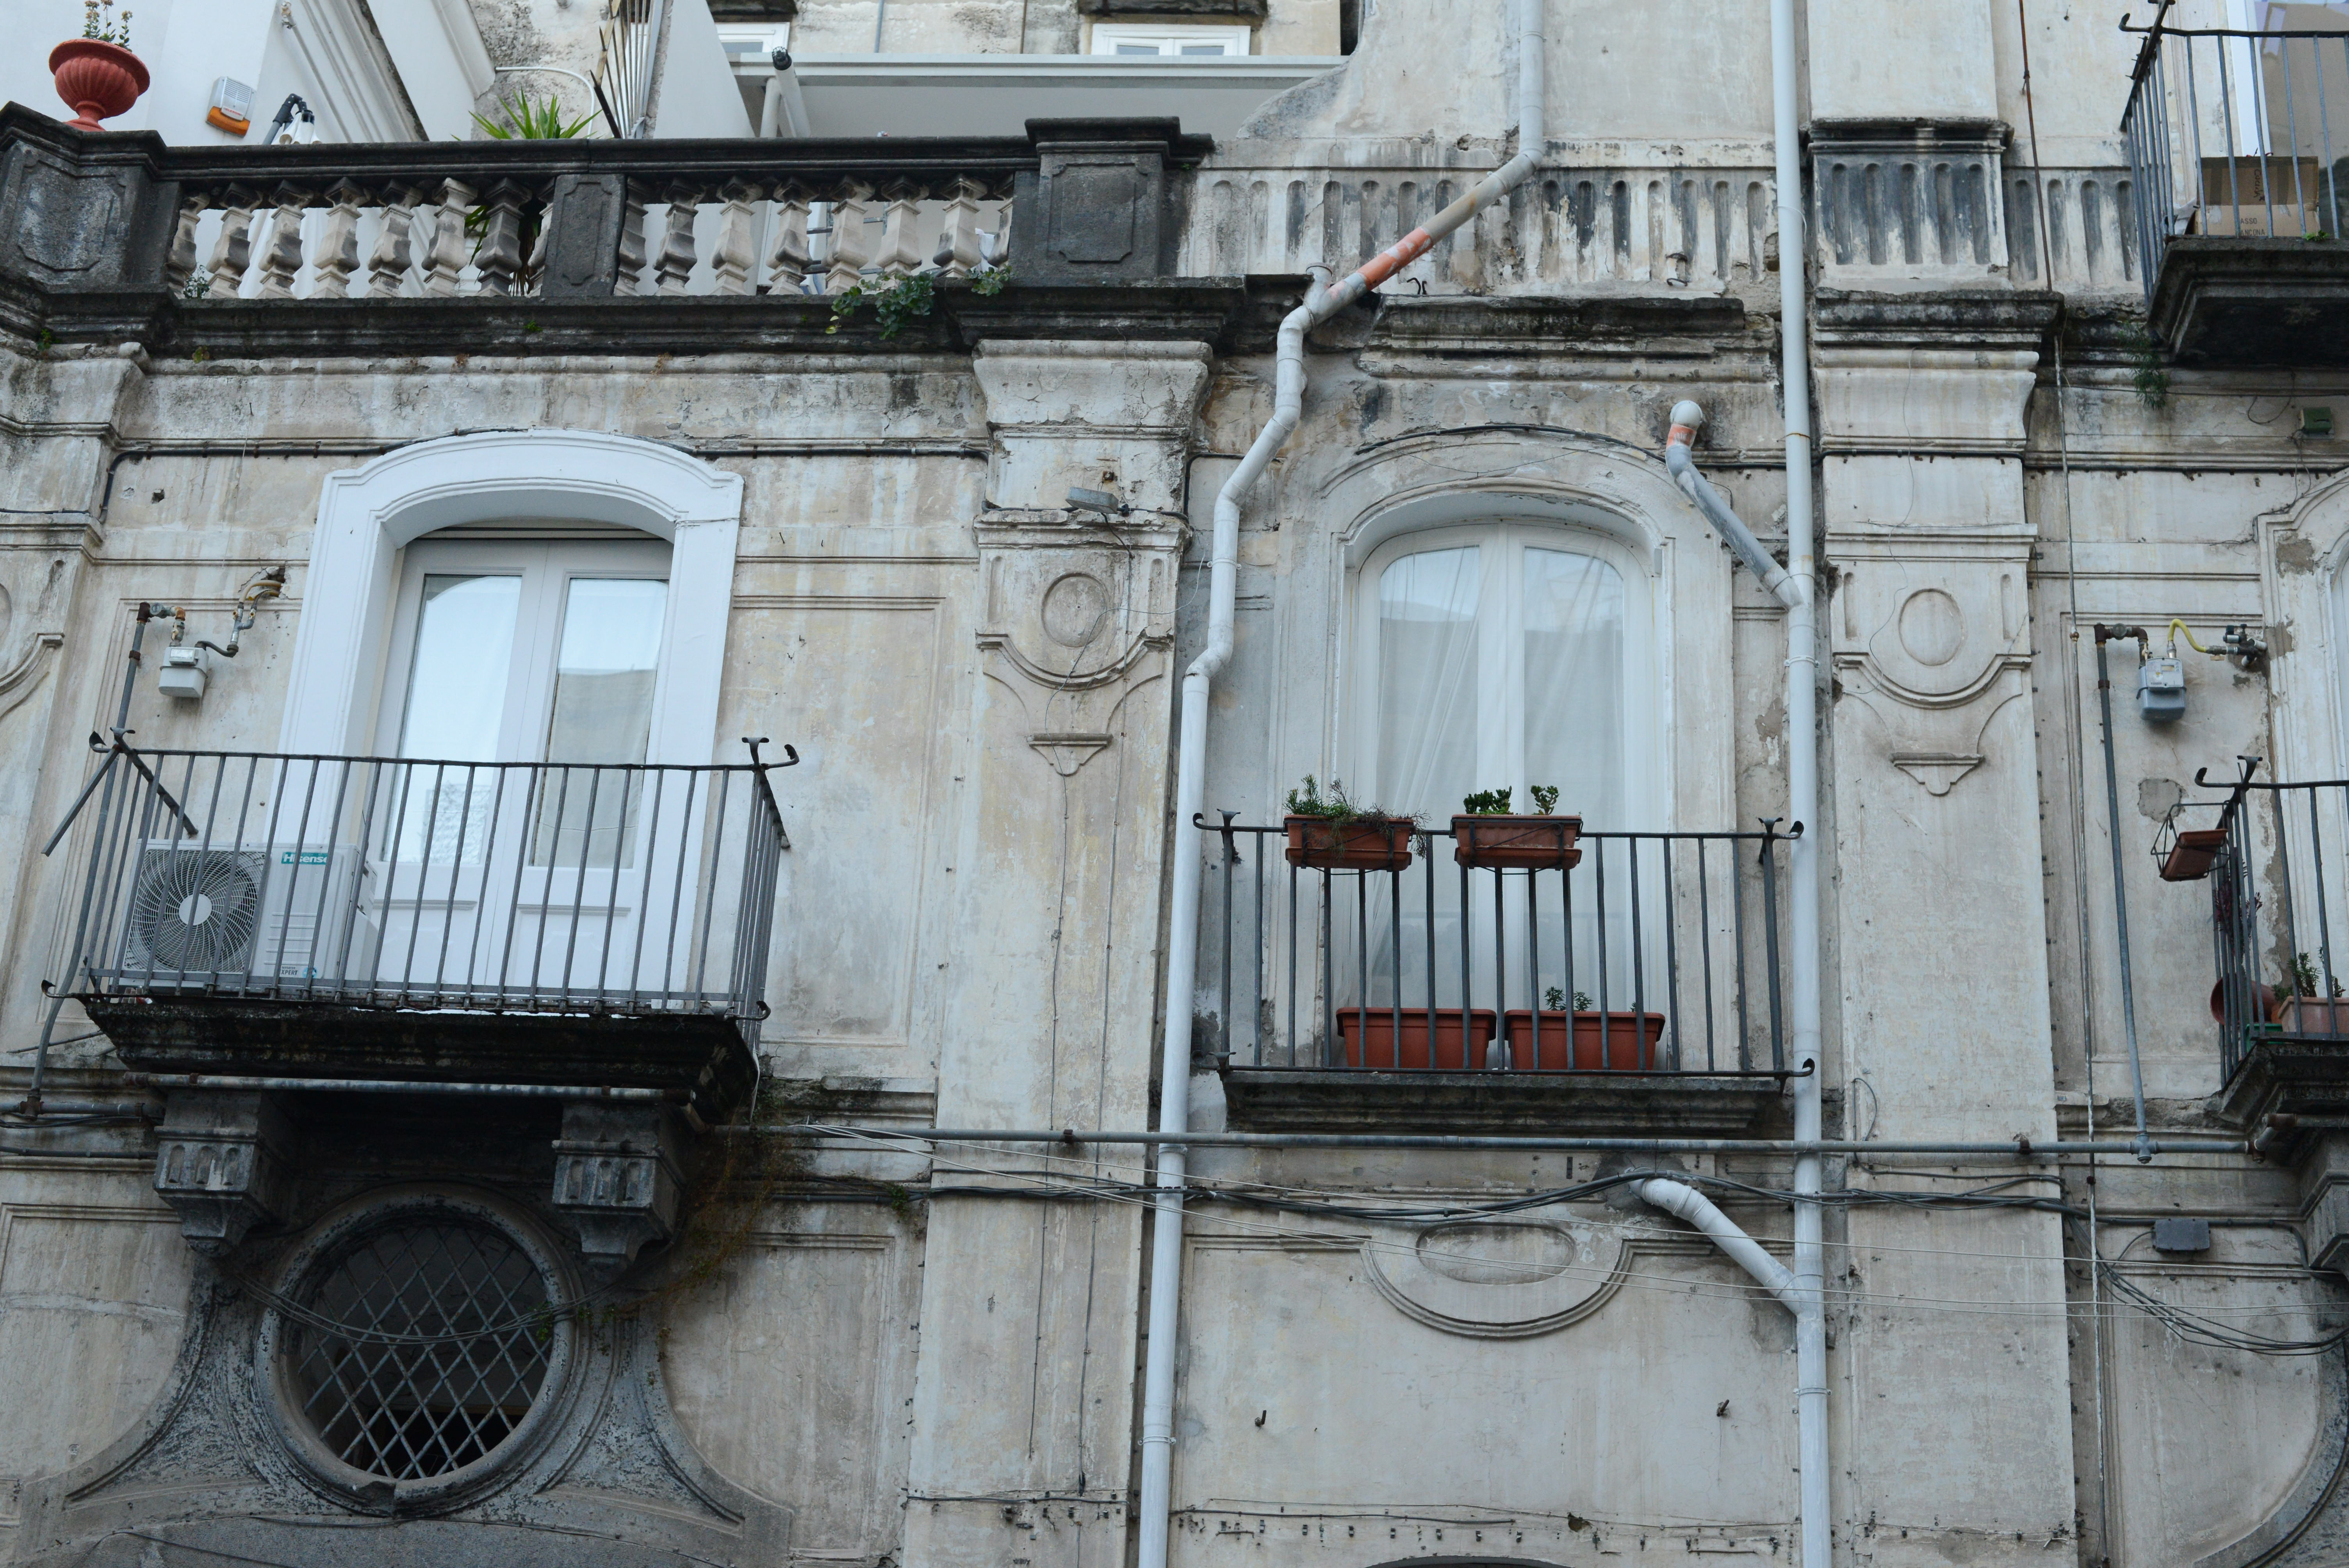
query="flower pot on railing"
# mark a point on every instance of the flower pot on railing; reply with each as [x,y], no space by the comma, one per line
[1353,844]
[2262,1000]
[1369,1039]
[2190,857]
[2318,1015]
[1517,843]
[98,79]
[1583,1042]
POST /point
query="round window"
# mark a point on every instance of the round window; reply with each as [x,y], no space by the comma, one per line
[417,1346]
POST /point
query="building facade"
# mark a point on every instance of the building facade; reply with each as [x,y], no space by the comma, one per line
[597,876]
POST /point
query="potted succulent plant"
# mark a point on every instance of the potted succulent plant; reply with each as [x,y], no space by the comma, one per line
[97,74]
[1458,1039]
[2304,1009]
[1487,833]
[1333,833]
[1583,1039]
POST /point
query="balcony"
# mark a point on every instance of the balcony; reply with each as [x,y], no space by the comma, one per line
[1614,983]
[593,246]
[2279,879]
[307,923]
[2239,152]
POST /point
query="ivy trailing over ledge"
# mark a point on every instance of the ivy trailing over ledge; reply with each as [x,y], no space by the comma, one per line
[895,304]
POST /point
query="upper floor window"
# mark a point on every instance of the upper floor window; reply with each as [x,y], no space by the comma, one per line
[524,652]
[1505,655]
[1128,39]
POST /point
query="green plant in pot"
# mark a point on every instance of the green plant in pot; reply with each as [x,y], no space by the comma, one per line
[1328,831]
[1488,833]
[1584,1039]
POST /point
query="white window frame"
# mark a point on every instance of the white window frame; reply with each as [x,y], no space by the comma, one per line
[1170,37]
[366,515]
[1501,541]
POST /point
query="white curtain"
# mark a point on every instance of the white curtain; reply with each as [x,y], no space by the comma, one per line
[1428,687]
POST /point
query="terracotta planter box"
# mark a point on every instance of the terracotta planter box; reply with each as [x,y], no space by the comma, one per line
[1368,1034]
[2315,1016]
[98,79]
[1364,844]
[1634,1042]
[2190,858]
[1517,843]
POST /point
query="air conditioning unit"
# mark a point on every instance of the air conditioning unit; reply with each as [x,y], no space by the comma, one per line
[246,917]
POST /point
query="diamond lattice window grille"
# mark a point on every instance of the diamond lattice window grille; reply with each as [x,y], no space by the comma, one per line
[439,1350]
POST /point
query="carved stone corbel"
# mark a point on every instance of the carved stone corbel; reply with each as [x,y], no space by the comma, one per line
[618,1175]
[221,1160]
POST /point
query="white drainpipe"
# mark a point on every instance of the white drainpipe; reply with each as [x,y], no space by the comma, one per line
[1191,768]
[1802,763]
[1680,1198]
[1808,1281]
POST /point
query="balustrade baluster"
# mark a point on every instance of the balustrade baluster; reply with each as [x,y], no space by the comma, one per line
[444,263]
[674,266]
[631,279]
[388,262]
[788,256]
[181,265]
[338,244]
[498,257]
[233,251]
[735,260]
[281,263]
[901,249]
[959,248]
[850,245]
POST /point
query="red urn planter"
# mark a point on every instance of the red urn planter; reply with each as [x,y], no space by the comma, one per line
[98,79]
[1517,843]
[1356,844]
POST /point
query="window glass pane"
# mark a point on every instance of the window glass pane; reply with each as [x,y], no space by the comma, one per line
[456,678]
[1137,49]
[1427,692]
[1204,50]
[1575,736]
[602,712]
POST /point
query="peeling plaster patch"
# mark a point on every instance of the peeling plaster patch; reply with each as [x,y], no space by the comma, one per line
[2295,554]
[2156,797]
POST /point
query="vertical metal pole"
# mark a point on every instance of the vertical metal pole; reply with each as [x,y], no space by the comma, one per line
[1671,958]
[2324,919]
[1770,940]
[2120,886]
[1224,985]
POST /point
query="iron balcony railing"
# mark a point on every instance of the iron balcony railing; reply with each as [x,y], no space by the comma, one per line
[1642,953]
[2279,882]
[479,887]
[2233,132]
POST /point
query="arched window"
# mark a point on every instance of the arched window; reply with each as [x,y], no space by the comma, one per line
[1506,655]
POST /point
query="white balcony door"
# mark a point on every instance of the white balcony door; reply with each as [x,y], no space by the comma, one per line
[1506,656]
[507,883]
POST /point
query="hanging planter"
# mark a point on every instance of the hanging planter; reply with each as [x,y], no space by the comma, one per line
[1369,1039]
[1487,834]
[1355,844]
[1330,833]
[2190,857]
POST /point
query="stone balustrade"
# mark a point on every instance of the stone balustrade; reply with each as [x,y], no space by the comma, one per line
[448,236]
[1079,200]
